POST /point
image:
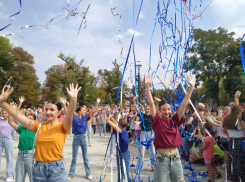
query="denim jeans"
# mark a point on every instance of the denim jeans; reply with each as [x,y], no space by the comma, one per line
[12,134]
[89,133]
[79,140]
[142,149]
[24,165]
[102,126]
[126,157]
[50,171]
[94,128]
[113,142]
[168,165]
[6,143]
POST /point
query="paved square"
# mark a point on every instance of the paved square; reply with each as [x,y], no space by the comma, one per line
[96,157]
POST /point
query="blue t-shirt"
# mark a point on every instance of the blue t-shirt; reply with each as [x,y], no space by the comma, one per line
[123,140]
[79,126]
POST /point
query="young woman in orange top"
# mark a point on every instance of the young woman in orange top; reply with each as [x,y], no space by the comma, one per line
[50,164]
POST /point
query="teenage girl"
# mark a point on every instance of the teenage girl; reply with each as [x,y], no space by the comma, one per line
[50,164]
[167,135]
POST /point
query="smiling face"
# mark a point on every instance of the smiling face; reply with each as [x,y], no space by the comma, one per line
[166,111]
[51,112]
[5,115]
[147,110]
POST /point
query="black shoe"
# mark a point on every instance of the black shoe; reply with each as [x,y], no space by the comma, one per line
[217,176]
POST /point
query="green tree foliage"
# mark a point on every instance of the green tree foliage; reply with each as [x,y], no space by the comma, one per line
[58,78]
[18,63]
[213,47]
[112,79]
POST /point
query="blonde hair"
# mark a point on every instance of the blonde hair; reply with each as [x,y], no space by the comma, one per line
[201,107]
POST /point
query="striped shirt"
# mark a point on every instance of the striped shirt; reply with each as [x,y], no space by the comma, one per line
[5,128]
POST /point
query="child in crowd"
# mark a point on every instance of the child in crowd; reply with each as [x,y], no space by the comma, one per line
[137,129]
[124,154]
[208,150]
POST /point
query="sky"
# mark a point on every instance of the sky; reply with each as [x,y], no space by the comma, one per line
[99,43]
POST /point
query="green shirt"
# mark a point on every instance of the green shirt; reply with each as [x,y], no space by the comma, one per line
[26,138]
[218,151]
[147,122]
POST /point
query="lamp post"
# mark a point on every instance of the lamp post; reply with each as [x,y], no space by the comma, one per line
[138,66]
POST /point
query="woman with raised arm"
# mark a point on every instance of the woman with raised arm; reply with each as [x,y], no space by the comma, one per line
[25,154]
[79,128]
[145,132]
[234,126]
[167,135]
[51,135]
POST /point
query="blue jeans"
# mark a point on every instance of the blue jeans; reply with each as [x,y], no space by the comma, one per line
[168,165]
[24,165]
[12,134]
[79,140]
[142,149]
[102,126]
[126,157]
[6,143]
[89,133]
[113,143]
[94,128]
[50,171]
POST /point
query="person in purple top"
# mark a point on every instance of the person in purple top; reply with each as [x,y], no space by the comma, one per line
[6,143]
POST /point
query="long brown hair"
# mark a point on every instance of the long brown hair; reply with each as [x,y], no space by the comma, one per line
[230,120]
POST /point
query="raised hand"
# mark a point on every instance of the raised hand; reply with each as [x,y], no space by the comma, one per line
[22,99]
[13,104]
[5,94]
[98,100]
[237,94]
[148,80]
[191,81]
[63,100]
[73,91]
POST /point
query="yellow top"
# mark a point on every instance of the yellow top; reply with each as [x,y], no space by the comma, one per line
[49,142]
[114,122]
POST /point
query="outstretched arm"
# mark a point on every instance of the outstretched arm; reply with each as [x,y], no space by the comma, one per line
[72,92]
[23,120]
[187,97]
[63,101]
[95,107]
[135,105]
[236,98]
[148,81]
[113,125]
[21,99]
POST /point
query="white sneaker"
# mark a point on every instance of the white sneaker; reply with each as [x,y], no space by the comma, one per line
[90,145]
[105,136]
[94,135]
[69,178]
[132,142]
[90,177]
[9,179]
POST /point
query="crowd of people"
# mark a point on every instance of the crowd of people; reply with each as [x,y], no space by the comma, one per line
[189,133]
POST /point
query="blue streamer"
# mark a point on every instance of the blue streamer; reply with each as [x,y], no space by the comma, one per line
[242,55]
[12,16]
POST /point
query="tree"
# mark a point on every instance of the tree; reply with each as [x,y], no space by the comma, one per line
[59,76]
[213,47]
[18,64]
[112,79]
